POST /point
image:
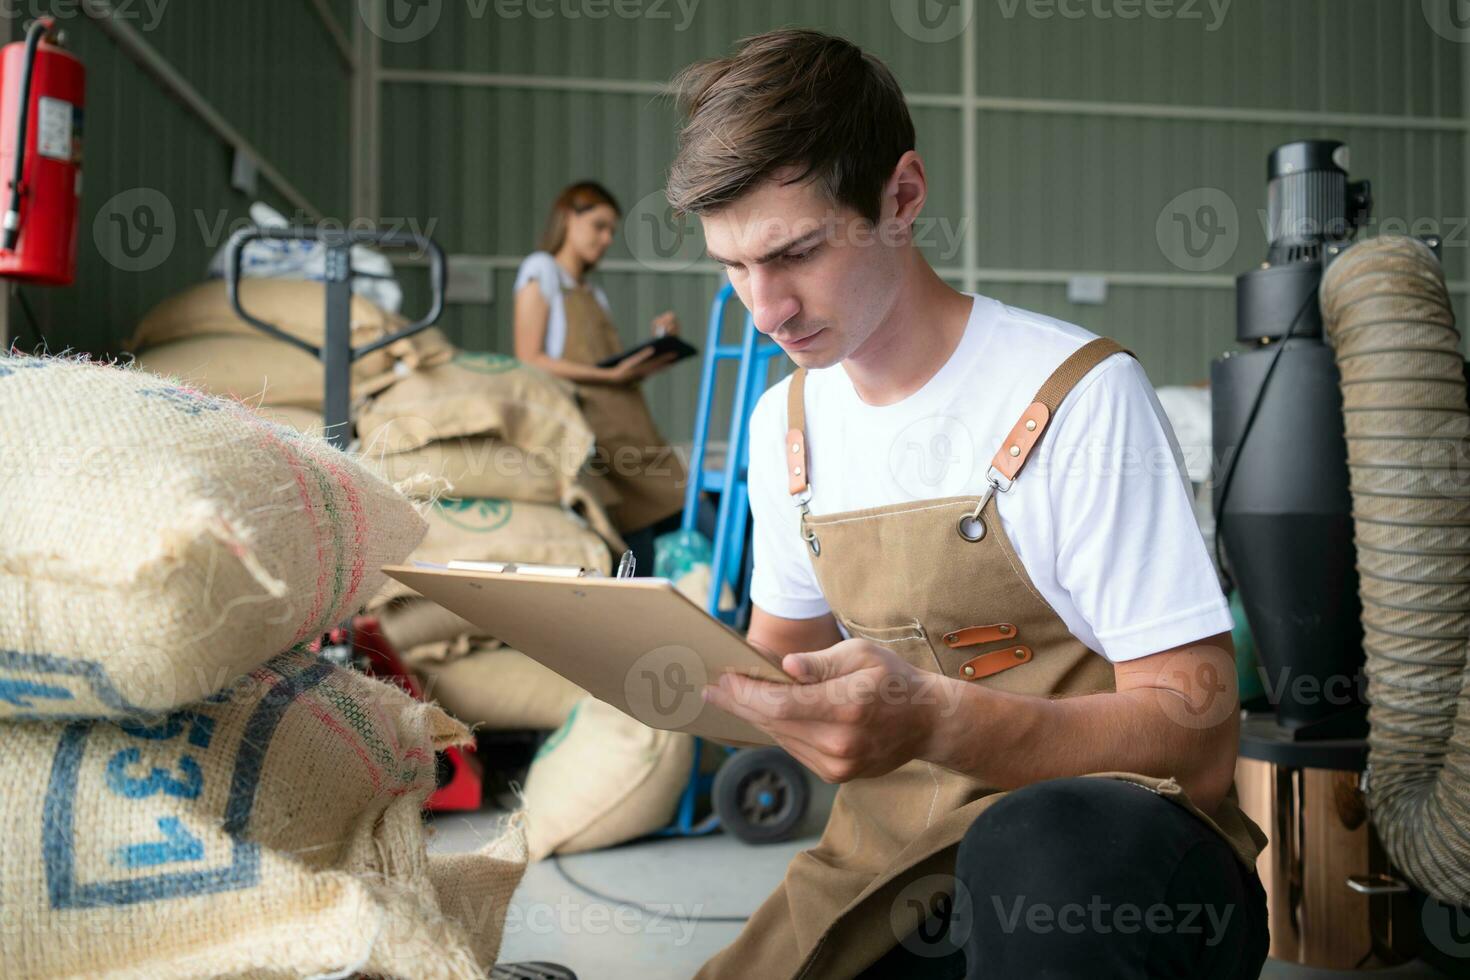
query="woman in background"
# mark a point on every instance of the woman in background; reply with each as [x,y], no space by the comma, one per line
[562,326]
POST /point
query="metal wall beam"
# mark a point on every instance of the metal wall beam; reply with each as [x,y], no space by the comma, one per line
[335,31]
[964,99]
[131,42]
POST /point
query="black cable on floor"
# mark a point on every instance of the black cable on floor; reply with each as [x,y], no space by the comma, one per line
[648,909]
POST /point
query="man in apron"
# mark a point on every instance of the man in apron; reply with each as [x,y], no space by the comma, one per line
[976,556]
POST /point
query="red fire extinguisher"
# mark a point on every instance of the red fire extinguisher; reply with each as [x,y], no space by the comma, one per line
[41,100]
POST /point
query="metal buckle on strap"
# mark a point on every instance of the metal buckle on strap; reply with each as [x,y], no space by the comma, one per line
[802,501]
[972,526]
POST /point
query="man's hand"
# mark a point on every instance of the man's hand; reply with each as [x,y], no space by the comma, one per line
[856,710]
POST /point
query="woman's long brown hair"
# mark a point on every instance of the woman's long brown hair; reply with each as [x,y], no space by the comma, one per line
[581,196]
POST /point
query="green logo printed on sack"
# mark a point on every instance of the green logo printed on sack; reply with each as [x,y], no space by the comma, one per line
[479,514]
[560,735]
[486,362]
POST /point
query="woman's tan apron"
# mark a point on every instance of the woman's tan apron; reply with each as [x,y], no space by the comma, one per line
[910,577]
[645,472]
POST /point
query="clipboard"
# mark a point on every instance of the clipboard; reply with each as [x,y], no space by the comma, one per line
[637,643]
[666,344]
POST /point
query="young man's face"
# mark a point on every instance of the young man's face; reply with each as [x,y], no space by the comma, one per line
[818,279]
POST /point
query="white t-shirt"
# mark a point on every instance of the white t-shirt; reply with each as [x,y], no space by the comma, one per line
[1100,516]
[541,268]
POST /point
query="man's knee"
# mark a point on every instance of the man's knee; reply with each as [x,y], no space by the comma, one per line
[1075,826]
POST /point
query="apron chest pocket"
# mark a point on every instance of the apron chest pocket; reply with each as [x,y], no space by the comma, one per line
[909,640]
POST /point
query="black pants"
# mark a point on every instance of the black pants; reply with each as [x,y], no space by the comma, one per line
[1088,878]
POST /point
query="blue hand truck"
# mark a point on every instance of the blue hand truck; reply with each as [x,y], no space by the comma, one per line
[759,794]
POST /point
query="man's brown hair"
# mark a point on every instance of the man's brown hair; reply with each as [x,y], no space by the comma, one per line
[789,98]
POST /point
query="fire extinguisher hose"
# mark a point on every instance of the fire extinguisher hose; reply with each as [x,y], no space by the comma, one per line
[11,222]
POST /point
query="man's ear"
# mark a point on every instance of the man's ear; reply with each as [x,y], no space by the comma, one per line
[904,194]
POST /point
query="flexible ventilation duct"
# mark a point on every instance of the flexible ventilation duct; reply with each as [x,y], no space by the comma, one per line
[1387,315]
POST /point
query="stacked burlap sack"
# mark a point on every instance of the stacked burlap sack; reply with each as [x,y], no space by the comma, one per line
[496,452]
[190,791]
[196,336]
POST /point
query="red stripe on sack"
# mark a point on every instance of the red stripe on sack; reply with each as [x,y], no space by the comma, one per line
[375,772]
[262,429]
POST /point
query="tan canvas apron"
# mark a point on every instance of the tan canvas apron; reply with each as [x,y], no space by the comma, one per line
[644,470]
[910,577]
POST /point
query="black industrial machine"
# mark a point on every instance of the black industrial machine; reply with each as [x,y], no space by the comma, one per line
[1283,514]
[1365,866]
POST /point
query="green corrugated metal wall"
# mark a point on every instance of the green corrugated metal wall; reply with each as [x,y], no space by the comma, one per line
[1058,187]
[269,67]
[1055,190]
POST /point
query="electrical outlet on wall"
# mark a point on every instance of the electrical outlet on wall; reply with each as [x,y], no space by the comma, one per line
[468,280]
[1092,290]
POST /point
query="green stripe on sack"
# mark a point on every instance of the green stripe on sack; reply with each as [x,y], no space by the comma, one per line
[560,735]
[339,540]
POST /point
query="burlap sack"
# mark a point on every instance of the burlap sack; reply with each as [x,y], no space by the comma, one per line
[504,530]
[412,624]
[493,686]
[475,889]
[474,466]
[479,394]
[295,306]
[156,542]
[303,420]
[425,349]
[601,779]
[501,530]
[273,829]
[254,370]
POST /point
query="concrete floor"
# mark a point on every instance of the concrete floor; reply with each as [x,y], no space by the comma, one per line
[697,884]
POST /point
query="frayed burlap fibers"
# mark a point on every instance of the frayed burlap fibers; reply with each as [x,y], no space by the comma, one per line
[156,542]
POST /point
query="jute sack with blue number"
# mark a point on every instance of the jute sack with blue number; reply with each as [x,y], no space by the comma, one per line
[272,829]
[156,542]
